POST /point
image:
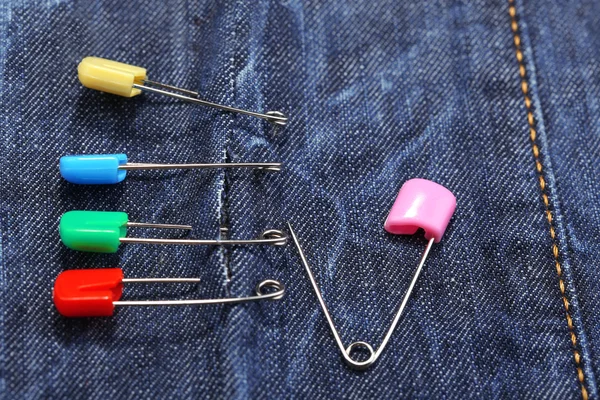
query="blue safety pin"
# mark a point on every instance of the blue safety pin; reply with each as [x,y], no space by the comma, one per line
[102,169]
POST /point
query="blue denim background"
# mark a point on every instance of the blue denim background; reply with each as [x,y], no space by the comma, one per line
[377,93]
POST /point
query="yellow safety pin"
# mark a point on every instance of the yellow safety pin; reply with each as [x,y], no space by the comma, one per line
[128,81]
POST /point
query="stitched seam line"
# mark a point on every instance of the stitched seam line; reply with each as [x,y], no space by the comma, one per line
[535,147]
[226,218]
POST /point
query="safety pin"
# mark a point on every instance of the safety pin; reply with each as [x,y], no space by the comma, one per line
[96,292]
[128,81]
[104,231]
[420,204]
[102,169]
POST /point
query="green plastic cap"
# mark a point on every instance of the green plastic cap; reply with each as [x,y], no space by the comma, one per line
[95,231]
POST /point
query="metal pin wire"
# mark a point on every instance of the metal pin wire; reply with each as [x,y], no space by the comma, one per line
[158,226]
[271,237]
[160,280]
[261,294]
[270,167]
[274,117]
[346,351]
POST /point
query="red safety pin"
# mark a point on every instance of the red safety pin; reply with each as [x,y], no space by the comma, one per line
[96,292]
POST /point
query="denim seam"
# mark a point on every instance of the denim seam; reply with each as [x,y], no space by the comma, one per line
[5,17]
[535,147]
[224,205]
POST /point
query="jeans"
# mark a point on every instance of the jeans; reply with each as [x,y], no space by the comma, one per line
[497,100]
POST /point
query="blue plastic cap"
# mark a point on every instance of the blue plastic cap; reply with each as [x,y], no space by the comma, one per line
[93,169]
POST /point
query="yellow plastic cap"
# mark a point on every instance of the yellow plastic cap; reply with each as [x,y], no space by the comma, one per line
[110,76]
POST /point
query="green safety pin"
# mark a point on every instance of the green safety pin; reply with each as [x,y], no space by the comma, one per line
[104,231]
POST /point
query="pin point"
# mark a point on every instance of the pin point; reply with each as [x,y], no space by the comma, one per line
[420,204]
[96,292]
[103,169]
[104,231]
[128,81]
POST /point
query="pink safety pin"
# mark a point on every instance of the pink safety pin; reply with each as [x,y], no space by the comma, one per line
[420,204]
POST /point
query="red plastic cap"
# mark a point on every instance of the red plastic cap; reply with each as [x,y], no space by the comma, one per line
[88,292]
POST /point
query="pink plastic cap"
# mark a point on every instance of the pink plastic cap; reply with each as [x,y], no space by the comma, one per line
[421,204]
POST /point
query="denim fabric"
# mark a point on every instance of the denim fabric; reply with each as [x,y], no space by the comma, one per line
[377,93]
[568,78]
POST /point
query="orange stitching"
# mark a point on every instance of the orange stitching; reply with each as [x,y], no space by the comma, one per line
[514,25]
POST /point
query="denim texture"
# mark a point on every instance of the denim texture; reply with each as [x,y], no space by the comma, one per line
[377,93]
[568,78]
